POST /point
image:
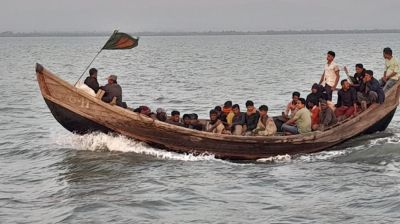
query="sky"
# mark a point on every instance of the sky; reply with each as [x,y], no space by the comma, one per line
[196,15]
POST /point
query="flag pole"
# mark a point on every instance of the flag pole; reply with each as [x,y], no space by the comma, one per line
[87,67]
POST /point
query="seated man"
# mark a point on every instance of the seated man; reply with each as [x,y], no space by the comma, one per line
[215,125]
[347,101]
[358,77]
[112,89]
[161,114]
[301,122]
[175,118]
[315,95]
[186,120]
[238,121]
[195,123]
[370,91]
[392,70]
[227,113]
[291,108]
[326,116]
[251,117]
[266,125]
[91,80]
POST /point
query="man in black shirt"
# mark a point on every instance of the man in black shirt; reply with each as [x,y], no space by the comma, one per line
[91,80]
[347,101]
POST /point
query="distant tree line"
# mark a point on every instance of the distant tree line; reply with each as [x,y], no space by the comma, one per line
[208,33]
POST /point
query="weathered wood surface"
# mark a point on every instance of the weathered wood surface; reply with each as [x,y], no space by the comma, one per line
[160,134]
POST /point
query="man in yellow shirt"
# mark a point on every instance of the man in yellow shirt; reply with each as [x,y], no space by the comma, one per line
[392,72]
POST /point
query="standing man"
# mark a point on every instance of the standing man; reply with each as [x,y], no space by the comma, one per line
[331,75]
[391,74]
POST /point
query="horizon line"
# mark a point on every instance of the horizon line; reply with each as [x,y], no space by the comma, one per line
[197,33]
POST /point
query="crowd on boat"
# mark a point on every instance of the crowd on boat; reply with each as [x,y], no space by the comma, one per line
[302,115]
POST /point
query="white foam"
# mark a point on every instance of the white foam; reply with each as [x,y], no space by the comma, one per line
[393,139]
[321,156]
[104,142]
[276,159]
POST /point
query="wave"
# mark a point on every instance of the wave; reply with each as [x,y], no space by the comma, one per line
[116,143]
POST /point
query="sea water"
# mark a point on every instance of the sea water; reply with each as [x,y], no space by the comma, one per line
[49,175]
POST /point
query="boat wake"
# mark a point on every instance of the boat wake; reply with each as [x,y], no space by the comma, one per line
[101,142]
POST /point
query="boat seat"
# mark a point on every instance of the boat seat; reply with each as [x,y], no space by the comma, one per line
[100,94]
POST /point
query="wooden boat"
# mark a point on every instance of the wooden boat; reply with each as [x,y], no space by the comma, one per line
[82,113]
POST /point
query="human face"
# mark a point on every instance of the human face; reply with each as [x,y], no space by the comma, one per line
[176,118]
[314,90]
[323,106]
[186,120]
[346,85]
[236,110]
[295,99]
[367,77]
[299,105]
[358,70]
[263,112]
[387,56]
[329,58]
[213,117]
[250,108]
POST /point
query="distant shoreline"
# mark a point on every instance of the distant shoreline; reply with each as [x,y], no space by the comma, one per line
[209,33]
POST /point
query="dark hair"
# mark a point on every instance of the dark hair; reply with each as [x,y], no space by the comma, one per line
[218,108]
[296,94]
[387,50]
[359,65]
[92,71]
[228,103]
[369,72]
[186,116]
[263,108]
[175,112]
[194,116]
[213,112]
[249,103]
[302,100]
[236,106]
[343,81]
[332,54]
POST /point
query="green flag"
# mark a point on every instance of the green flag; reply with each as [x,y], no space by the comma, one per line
[119,41]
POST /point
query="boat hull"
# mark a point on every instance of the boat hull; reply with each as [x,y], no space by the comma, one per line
[81,113]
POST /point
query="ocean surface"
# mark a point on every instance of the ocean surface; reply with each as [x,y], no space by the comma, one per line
[48,175]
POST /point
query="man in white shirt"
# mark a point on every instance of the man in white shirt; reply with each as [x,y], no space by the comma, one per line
[331,75]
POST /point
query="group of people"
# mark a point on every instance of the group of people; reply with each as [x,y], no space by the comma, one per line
[316,112]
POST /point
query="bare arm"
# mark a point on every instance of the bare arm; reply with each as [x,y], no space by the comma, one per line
[336,80]
[322,78]
[291,121]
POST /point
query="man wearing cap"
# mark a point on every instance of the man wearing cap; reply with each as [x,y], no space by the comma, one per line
[161,114]
[112,89]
